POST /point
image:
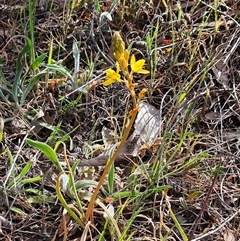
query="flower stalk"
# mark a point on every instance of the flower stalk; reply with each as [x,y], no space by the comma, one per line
[122,57]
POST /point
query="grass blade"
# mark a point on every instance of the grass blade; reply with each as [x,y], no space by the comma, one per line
[46,150]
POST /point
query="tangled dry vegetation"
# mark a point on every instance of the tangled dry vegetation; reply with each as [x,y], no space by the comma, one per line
[185,185]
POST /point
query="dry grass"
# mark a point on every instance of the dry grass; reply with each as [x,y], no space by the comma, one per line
[186,186]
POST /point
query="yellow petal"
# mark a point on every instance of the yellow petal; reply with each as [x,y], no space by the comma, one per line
[111,74]
[137,66]
[143,71]
[108,82]
[133,60]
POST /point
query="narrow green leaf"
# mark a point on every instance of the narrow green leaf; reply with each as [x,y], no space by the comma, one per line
[22,174]
[37,62]
[111,180]
[31,180]
[178,225]
[83,184]
[76,56]
[1,128]
[19,69]
[31,23]
[25,170]
[18,211]
[34,191]
[50,52]
[31,84]
[62,70]
[8,84]
[106,15]
[3,96]
[10,157]
[74,166]
[41,199]
[119,195]
[48,151]
[182,96]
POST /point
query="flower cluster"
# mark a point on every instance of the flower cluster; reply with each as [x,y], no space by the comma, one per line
[122,56]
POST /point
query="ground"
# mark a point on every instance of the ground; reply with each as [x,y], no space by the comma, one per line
[56,113]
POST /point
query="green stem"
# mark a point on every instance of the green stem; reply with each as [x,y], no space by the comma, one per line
[65,205]
[71,176]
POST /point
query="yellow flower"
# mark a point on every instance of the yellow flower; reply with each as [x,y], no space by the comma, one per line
[112,76]
[137,66]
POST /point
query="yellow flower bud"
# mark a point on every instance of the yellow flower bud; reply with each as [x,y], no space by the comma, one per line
[142,93]
[126,55]
[123,63]
[118,46]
